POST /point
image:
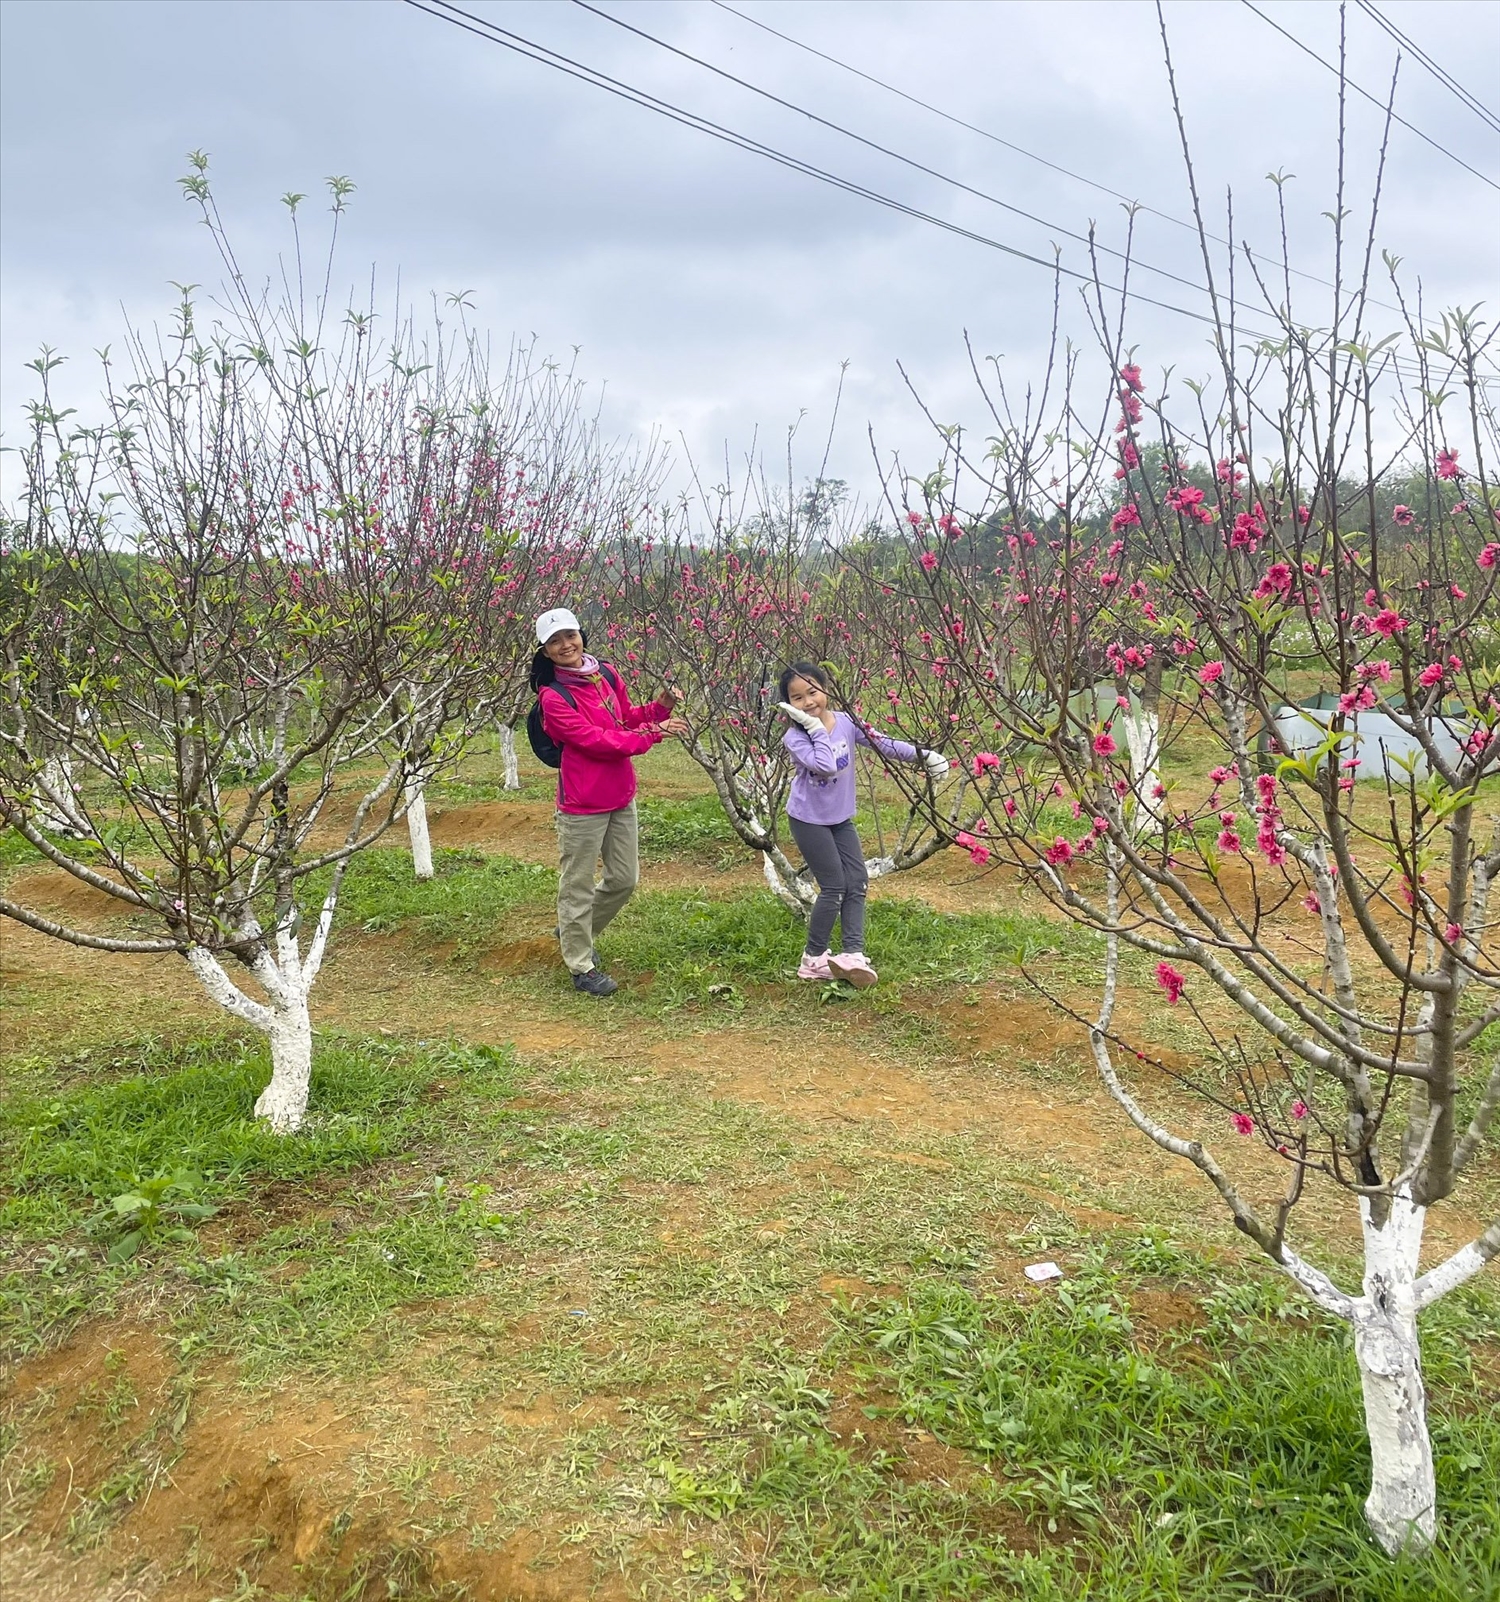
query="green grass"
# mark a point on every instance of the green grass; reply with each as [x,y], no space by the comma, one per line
[466,902]
[692,943]
[1220,1463]
[696,829]
[16,851]
[699,949]
[188,1108]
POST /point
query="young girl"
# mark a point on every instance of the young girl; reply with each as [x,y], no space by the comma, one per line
[821,809]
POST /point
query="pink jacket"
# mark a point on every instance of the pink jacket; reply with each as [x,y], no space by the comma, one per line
[598,738]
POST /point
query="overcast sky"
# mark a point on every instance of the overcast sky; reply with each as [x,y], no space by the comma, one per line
[711,291]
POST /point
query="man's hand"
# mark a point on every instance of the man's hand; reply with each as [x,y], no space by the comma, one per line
[677,726]
[803,720]
[671,697]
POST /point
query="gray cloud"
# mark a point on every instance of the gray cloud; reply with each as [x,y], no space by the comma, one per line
[712,291]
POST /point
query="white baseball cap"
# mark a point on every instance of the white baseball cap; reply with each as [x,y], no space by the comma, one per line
[549,623]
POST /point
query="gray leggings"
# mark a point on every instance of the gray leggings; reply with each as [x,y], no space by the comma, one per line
[837,859]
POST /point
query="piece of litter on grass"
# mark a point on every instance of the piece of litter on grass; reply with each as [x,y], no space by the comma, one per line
[1040,1273]
[577,1312]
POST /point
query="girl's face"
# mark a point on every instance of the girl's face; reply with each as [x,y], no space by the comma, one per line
[808,696]
[565,648]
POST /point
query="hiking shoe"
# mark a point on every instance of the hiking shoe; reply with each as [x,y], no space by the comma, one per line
[853,969]
[814,967]
[595,983]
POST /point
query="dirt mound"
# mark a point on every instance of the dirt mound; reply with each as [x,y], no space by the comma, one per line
[518,828]
[997,1026]
[137,1481]
[59,895]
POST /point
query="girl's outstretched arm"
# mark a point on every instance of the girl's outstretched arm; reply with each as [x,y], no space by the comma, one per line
[811,749]
[900,751]
[895,750]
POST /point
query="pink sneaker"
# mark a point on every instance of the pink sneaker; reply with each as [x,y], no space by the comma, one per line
[814,967]
[853,969]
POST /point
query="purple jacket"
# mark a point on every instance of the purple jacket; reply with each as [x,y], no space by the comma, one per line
[823,781]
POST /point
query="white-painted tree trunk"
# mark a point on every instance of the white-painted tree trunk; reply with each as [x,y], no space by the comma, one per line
[283,1017]
[788,888]
[508,753]
[57,810]
[283,1103]
[1402,1505]
[416,828]
[1143,740]
[1401,1509]
[796,890]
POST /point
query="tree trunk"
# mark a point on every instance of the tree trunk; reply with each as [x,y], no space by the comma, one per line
[787,885]
[1402,1505]
[283,1103]
[60,816]
[416,827]
[508,752]
[1143,739]
[282,1017]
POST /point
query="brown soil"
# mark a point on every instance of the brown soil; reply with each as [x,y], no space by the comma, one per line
[1165,1313]
[60,896]
[519,828]
[226,1486]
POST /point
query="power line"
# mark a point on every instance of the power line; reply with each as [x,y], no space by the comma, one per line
[958,122]
[1021,150]
[895,155]
[1373,99]
[493,33]
[448,12]
[1447,79]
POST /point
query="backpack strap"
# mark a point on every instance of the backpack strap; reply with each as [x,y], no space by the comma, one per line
[557,689]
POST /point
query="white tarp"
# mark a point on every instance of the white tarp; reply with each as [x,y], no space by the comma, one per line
[1376,739]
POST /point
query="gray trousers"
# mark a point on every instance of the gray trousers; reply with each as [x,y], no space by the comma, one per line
[837,860]
[584,909]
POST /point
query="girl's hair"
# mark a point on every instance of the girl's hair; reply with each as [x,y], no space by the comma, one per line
[544,669]
[803,670]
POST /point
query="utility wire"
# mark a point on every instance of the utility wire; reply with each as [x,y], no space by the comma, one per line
[446,11]
[1374,100]
[493,33]
[1447,79]
[895,155]
[1020,150]
[958,122]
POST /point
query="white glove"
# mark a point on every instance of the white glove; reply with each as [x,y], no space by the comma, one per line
[936,763]
[803,720]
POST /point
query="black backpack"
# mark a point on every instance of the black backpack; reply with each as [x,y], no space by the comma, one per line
[543,747]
